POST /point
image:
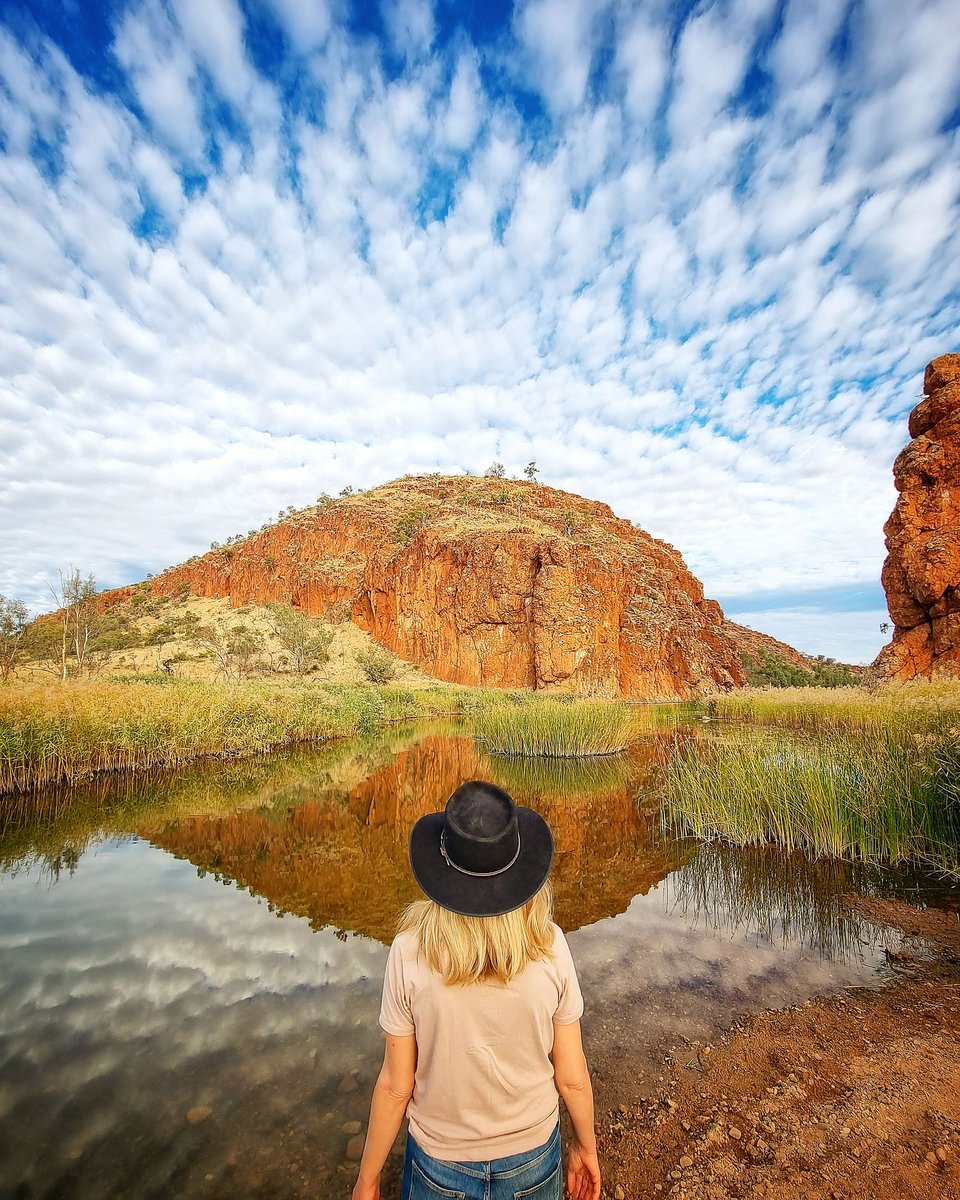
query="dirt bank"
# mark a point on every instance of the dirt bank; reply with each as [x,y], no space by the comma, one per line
[848,1096]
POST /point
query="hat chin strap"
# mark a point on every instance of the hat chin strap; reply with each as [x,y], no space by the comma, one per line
[477,874]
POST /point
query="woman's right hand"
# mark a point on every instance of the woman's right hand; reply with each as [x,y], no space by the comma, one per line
[365,1190]
[583,1174]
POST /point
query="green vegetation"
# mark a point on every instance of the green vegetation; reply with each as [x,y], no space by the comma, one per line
[769,670]
[553,728]
[13,623]
[410,522]
[867,776]
[70,730]
[377,665]
[306,643]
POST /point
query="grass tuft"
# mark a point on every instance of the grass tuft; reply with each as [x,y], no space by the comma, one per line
[551,728]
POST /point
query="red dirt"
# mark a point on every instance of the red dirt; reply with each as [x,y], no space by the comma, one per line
[844,1097]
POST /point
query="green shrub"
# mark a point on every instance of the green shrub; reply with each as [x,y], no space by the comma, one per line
[377,665]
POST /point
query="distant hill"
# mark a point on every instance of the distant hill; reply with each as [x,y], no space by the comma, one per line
[489,581]
[770,663]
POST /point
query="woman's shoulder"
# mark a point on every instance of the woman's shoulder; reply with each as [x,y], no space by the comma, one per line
[405,948]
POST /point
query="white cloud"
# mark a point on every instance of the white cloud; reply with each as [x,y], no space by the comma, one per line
[558,36]
[162,75]
[716,323]
[306,22]
[411,26]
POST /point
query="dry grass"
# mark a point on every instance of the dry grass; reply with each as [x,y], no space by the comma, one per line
[66,731]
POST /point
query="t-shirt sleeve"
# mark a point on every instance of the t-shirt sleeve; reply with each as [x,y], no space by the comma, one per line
[395,1014]
[570,1007]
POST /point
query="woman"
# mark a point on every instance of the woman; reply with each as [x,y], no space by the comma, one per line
[481,1010]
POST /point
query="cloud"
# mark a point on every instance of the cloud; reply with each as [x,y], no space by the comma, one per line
[694,269]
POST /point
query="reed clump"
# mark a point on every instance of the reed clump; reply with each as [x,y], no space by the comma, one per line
[66,731]
[551,728]
[887,790]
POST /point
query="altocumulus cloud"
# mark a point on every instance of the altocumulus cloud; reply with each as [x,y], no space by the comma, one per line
[689,257]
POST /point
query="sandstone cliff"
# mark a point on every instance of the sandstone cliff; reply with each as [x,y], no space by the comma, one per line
[489,582]
[921,575]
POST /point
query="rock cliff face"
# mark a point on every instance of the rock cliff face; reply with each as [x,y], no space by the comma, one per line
[921,575]
[488,582]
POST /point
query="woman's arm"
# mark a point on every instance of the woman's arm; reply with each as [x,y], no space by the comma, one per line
[391,1094]
[573,1083]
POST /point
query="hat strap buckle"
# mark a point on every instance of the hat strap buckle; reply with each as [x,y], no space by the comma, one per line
[476,874]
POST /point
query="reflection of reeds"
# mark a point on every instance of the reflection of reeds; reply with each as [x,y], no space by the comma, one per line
[564,777]
[551,728]
[60,820]
[782,898]
[879,792]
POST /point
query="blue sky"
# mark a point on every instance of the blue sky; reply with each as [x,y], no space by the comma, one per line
[689,257]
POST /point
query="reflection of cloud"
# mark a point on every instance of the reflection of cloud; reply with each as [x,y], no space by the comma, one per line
[135,989]
[127,952]
[752,928]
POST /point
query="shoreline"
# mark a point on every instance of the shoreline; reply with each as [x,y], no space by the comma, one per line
[853,1095]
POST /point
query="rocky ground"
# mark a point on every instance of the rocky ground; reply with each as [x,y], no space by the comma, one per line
[856,1095]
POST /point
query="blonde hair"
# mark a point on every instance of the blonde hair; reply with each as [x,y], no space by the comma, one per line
[471,949]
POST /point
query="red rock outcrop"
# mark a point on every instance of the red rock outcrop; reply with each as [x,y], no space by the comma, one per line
[921,575]
[490,582]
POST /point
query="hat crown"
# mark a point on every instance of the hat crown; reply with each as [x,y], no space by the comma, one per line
[480,831]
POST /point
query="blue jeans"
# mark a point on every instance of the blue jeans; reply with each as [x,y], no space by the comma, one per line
[532,1175]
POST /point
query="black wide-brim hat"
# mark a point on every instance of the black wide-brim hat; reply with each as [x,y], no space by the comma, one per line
[483,855]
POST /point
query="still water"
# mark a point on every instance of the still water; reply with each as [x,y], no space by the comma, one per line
[191,963]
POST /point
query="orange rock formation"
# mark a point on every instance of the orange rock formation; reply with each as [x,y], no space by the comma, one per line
[490,582]
[921,575]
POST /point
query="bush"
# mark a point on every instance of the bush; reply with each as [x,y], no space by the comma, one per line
[377,665]
[409,524]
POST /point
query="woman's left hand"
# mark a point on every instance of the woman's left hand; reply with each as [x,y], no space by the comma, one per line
[367,1191]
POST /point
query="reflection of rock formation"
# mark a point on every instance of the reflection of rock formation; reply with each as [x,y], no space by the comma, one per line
[486,581]
[343,862]
[921,575]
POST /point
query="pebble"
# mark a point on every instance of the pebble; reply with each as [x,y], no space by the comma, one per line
[347,1084]
[355,1147]
[686,1160]
[941,1154]
[198,1113]
[735,1133]
[351,1127]
[619,1193]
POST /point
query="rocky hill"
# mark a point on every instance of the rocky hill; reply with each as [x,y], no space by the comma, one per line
[921,575]
[486,581]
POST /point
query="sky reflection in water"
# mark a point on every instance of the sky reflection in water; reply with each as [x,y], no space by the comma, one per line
[139,986]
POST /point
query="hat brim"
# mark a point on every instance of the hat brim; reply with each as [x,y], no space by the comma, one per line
[482,895]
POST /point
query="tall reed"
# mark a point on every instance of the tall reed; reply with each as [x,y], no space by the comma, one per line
[881,792]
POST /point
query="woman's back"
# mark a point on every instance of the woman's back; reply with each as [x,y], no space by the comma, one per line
[484,1083]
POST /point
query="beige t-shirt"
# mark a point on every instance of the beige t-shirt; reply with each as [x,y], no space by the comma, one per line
[484,1081]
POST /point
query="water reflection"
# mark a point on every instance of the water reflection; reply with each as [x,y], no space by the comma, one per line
[340,858]
[138,989]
